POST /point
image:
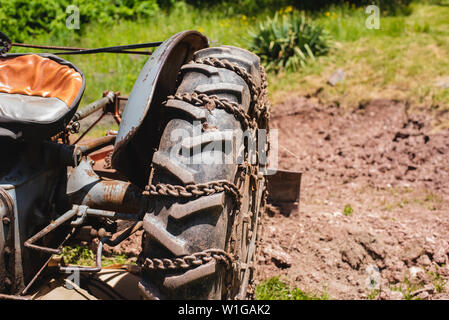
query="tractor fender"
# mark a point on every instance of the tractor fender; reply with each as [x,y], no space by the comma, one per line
[137,136]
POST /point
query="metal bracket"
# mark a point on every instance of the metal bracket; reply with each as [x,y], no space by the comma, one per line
[82,214]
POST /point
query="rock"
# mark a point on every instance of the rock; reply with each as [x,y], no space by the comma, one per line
[440,256]
[384,295]
[393,276]
[444,272]
[396,295]
[353,254]
[412,250]
[280,258]
[336,77]
[416,274]
[424,260]
[423,295]
[374,245]
[427,288]
[387,294]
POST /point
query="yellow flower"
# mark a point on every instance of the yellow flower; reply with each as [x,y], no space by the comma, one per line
[288,9]
[327,14]
[243,17]
[201,29]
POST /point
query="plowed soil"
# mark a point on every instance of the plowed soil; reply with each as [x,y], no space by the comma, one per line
[390,173]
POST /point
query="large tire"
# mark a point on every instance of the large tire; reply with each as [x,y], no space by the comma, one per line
[176,227]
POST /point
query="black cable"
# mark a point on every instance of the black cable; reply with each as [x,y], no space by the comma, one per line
[115,49]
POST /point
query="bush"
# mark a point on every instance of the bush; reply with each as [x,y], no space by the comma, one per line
[289,41]
[20,19]
[254,6]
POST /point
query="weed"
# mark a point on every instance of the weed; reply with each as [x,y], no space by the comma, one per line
[82,255]
[438,281]
[289,41]
[275,289]
[373,294]
[348,210]
[407,288]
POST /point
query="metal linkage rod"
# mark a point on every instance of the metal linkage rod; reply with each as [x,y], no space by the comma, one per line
[94,106]
[77,211]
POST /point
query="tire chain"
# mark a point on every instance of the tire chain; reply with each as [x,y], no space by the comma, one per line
[194,190]
[261,109]
[190,261]
[259,99]
[212,102]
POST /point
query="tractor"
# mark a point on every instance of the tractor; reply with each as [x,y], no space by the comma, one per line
[188,167]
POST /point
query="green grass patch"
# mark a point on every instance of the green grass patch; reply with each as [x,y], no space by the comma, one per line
[275,289]
[403,60]
[83,256]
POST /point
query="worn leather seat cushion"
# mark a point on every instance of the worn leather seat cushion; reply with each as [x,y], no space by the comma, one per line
[31,108]
[38,92]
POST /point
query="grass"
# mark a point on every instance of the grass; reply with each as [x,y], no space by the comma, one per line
[406,197]
[275,289]
[407,288]
[401,61]
[82,255]
[438,281]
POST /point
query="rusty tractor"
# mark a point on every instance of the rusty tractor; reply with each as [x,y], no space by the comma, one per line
[201,220]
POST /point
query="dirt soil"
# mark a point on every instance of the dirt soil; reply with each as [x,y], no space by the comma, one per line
[391,174]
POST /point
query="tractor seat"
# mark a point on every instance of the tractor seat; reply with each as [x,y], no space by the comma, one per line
[38,95]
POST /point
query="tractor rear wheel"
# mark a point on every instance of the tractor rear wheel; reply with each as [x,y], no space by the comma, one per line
[201,231]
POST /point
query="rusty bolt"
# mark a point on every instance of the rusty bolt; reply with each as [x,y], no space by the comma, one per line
[102,233]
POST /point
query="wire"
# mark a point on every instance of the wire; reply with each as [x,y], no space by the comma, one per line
[113,49]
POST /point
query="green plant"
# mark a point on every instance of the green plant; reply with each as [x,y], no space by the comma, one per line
[80,255]
[275,289]
[373,294]
[20,19]
[348,210]
[438,281]
[289,41]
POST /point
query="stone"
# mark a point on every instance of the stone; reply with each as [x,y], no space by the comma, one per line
[416,274]
[423,295]
[337,77]
[443,83]
[354,255]
[424,260]
[412,250]
[280,258]
[387,294]
[396,295]
[440,256]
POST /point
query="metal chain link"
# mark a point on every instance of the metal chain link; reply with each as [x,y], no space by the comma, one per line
[195,190]
[212,102]
[265,102]
[257,96]
[190,261]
